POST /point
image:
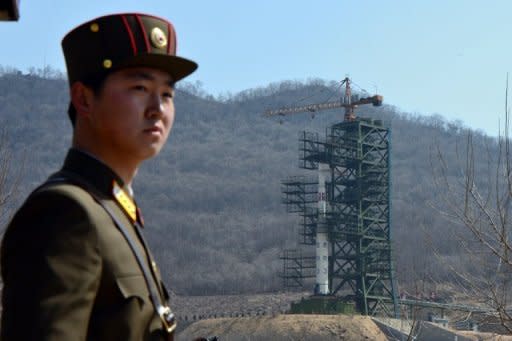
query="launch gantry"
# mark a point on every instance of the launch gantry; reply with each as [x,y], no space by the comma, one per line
[346,210]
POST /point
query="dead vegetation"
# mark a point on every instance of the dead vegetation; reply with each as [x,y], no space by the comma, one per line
[287,327]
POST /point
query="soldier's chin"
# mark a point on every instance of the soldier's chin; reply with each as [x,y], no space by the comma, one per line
[153,151]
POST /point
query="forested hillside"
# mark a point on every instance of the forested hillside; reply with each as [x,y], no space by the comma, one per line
[212,200]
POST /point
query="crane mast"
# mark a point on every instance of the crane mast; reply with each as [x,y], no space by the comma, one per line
[347,101]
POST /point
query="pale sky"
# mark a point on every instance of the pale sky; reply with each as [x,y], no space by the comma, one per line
[446,57]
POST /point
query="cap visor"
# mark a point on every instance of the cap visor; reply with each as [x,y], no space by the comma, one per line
[177,67]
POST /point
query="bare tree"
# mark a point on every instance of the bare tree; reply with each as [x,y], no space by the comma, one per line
[477,204]
[9,177]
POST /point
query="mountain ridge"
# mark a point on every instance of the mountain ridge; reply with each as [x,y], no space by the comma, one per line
[212,197]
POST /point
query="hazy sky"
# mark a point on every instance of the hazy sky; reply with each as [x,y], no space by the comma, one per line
[447,57]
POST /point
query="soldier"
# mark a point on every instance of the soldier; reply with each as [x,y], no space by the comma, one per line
[75,265]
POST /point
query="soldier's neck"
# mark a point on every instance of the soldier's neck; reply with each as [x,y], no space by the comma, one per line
[125,169]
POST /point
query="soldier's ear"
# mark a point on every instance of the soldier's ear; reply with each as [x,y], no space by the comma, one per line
[82,98]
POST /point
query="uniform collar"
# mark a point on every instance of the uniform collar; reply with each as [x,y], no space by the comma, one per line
[91,169]
[104,180]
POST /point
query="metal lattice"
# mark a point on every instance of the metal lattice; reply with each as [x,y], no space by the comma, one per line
[358,218]
[296,268]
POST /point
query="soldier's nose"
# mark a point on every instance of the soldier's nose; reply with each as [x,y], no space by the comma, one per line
[156,105]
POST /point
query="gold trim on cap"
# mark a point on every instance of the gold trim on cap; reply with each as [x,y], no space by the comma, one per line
[95,27]
[107,63]
[158,38]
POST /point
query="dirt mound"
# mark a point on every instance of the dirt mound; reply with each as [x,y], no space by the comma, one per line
[287,327]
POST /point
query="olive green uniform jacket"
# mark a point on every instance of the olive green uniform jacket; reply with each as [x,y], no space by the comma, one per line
[68,272]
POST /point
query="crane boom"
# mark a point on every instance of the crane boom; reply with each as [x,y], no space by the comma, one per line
[346,102]
[376,100]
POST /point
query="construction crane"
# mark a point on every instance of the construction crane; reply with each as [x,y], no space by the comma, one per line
[347,101]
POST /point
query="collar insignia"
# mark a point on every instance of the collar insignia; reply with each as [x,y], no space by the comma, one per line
[125,201]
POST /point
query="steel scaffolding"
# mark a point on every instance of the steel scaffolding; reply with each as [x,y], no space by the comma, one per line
[296,268]
[358,215]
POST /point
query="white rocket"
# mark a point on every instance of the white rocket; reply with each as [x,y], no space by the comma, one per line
[322,243]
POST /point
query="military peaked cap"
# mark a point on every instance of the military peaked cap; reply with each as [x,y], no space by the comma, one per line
[117,41]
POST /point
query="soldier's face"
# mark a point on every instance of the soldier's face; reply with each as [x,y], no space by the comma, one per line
[133,114]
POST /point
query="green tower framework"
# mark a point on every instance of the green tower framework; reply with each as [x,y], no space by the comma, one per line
[357,218]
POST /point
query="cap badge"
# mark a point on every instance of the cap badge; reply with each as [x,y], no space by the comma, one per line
[158,38]
[107,63]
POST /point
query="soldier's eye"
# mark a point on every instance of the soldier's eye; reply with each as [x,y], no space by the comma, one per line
[140,87]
